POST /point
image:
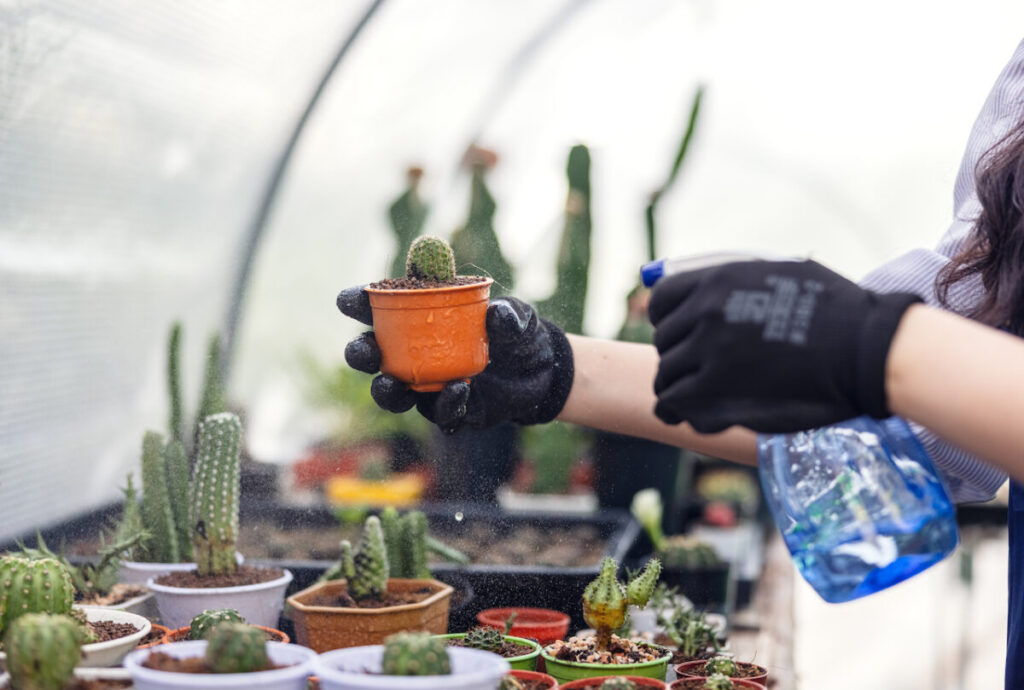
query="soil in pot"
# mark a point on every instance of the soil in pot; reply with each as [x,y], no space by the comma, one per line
[98,684]
[698,684]
[417,284]
[389,598]
[620,651]
[118,594]
[158,661]
[104,631]
[509,648]
[744,670]
[596,684]
[245,575]
[182,634]
[154,636]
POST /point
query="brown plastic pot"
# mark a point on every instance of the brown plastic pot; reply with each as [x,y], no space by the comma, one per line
[323,628]
[181,635]
[695,669]
[430,336]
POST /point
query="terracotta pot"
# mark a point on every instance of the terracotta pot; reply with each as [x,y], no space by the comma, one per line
[535,676]
[181,635]
[543,625]
[323,628]
[431,336]
[695,669]
[157,628]
[640,681]
[698,684]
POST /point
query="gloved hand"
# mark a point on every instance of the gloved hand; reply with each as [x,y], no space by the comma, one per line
[527,379]
[772,346]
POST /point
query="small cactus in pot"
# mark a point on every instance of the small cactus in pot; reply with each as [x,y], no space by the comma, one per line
[618,684]
[33,586]
[42,651]
[719,681]
[214,500]
[485,638]
[415,654]
[236,648]
[430,259]
[606,600]
[203,624]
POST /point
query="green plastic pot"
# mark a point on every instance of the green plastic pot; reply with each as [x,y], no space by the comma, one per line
[524,662]
[566,671]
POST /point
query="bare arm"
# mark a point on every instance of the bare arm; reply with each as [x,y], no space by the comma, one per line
[964,381]
[613,390]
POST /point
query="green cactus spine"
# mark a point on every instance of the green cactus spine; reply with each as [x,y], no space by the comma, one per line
[214,504]
[157,515]
[415,654]
[42,651]
[236,648]
[618,684]
[202,624]
[720,664]
[391,523]
[566,304]
[370,563]
[482,637]
[606,602]
[476,243]
[414,544]
[177,467]
[430,258]
[719,681]
[407,215]
[176,421]
[33,586]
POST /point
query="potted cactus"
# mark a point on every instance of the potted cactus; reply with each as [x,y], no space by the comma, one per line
[410,661]
[430,325]
[43,650]
[520,652]
[366,604]
[613,683]
[527,680]
[234,655]
[717,681]
[202,624]
[605,605]
[725,666]
[218,580]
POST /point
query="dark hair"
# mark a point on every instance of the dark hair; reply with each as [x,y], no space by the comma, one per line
[995,249]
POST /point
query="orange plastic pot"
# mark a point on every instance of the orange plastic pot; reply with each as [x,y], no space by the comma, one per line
[543,625]
[535,676]
[430,336]
[181,634]
[156,628]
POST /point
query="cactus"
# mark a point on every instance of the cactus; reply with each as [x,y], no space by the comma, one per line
[482,637]
[415,654]
[212,400]
[42,651]
[683,553]
[390,522]
[370,563]
[32,586]
[176,420]
[718,681]
[214,504]
[177,468]
[606,601]
[720,664]
[689,631]
[157,515]
[414,544]
[90,580]
[476,243]
[131,521]
[510,683]
[202,624]
[407,215]
[236,648]
[430,258]
[566,304]
[618,684]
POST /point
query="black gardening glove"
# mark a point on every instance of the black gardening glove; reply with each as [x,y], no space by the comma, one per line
[527,379]
[772,346]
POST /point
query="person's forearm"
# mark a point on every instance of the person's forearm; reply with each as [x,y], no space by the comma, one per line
[613,390]
[964,381]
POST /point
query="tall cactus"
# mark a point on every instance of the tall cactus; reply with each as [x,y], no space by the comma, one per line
[407,215]
[391,524]
[370,564]
[131,522]
[42,651]
[606,600]
[157,515]
[212,401]
[176,421]
[177,467]
[32,586]
[566,304]
[476,243]
[414,544]
[214,504]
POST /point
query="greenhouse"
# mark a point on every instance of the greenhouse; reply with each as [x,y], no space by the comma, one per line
[537,344]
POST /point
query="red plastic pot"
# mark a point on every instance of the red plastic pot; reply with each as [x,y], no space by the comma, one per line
[693,683]
[586,683]
[543,625]
[695,669]
[535,676]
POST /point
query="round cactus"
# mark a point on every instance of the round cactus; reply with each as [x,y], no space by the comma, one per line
[489,639]
[720,664]
[718,681]
[618,684]
[203,623]
[33,586]
[680,552]
[430,258]
[415,654]
[42,651]
[236,648]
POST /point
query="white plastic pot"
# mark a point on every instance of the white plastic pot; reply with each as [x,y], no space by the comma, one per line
[297,661]
[259,604]
[111,653]
[358,668]
[139,573]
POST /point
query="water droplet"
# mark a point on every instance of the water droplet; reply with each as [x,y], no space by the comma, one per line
[459,516]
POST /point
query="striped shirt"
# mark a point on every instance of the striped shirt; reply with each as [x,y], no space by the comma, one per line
[968,478]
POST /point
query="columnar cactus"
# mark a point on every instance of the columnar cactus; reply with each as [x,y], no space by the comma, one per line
[212,401]
[178,471]
[414,544]
[157,514]
[176,421]
[415,654]
[32,586]
[618,684]
[42,651]
[391,523]
[407,215]
[606,601]
[370,564]
[202,624]
[720,664]
[236,648]
[214,504]
[476,243]
[430,258]
[719,681]
[488,639]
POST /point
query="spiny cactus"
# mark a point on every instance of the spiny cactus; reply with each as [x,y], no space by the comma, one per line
[131,521]
[510,683]
[42,651]
[177,467]
[212,401]
[414,544]
[236,648]
[33,586]
[482,637]
[390,522]
[618,684]
[202,624]
[176,420]
[157,515]
[719,681]
[606,601]
[407,215]
[684,553]
[370,563]
[430,258]
[720,664]
[415,654]
[476,243]
[90,580]
[214,504]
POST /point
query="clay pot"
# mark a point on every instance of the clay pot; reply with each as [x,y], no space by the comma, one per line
[695,669]
[181,635]
[323,628]
[543,625]
[430,336]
